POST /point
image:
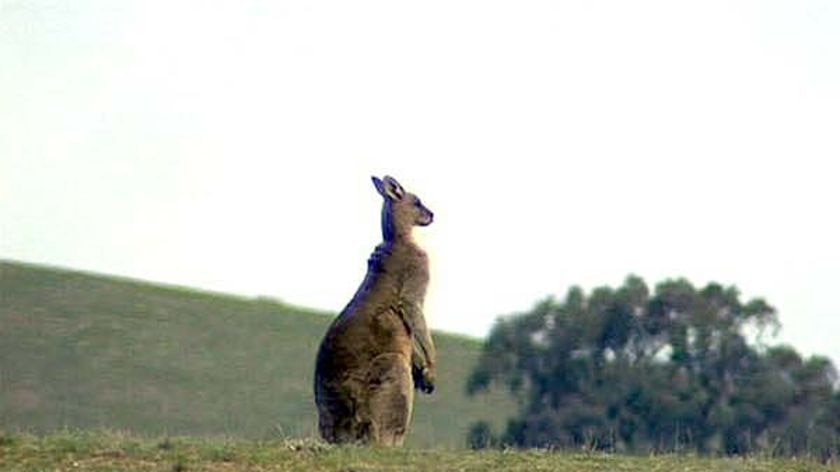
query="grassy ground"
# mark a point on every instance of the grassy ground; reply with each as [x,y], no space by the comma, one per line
[102,451]
[94,352]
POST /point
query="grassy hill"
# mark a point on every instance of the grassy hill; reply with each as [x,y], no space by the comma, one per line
[95,352]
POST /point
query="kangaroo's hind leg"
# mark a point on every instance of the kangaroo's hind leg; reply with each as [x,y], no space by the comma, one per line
[343,410]
[335,412]
[391,398]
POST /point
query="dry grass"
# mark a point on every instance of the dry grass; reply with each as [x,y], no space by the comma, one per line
[86,451]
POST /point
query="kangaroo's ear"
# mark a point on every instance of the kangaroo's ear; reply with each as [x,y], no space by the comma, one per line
[389,187]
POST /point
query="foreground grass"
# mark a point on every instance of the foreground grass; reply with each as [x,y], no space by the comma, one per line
[82,451]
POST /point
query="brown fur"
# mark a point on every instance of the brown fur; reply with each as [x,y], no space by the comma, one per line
[378,350]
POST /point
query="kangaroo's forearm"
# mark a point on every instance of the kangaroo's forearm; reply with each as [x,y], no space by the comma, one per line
[424,354]
[423,348]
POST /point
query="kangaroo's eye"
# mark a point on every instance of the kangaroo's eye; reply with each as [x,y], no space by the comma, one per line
[417,202]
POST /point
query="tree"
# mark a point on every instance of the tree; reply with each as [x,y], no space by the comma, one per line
[630,370]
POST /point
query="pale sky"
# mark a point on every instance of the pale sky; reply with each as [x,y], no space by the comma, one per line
[229,145]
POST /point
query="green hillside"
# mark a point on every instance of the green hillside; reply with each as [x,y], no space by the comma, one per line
[88,351]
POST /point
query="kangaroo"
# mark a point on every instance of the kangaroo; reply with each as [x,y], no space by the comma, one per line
[378,350]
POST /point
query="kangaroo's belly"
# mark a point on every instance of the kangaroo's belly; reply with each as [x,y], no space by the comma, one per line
[352,343]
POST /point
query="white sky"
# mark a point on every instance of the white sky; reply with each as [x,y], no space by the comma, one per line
[228,145]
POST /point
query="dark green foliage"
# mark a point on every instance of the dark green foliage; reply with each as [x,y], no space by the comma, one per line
[629,370]
[481,436]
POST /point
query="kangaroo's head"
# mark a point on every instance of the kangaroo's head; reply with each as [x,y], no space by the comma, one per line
[401,210]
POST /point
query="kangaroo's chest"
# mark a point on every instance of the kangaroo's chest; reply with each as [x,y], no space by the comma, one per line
[408,268]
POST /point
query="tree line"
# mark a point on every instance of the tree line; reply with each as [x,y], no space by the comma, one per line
[681,369]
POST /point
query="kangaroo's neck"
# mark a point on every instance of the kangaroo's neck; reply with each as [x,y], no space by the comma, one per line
[392,231]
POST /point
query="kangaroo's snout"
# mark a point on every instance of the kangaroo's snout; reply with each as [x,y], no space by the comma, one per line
[427,218]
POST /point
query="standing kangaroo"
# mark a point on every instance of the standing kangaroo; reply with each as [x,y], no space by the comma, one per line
[378,349]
